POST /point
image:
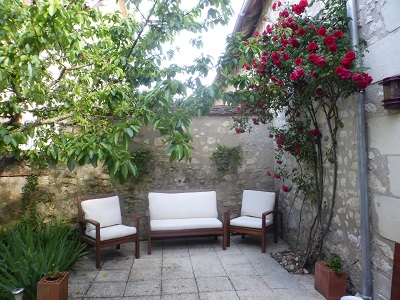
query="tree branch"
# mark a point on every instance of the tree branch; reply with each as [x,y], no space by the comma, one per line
[141,30]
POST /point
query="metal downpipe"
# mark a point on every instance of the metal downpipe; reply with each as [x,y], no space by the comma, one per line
[362,167]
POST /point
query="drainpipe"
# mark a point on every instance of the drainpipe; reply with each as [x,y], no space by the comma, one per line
[362,167]
[242,14]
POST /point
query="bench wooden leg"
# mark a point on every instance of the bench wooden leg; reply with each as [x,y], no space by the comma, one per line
[137,247]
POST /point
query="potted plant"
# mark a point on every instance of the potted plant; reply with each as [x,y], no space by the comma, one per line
[330,278]
[53,285]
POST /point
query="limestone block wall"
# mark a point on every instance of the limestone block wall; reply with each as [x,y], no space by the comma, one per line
[63,186]
[380,26]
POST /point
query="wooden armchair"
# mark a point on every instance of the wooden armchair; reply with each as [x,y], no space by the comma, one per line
[258,213]
[100,224]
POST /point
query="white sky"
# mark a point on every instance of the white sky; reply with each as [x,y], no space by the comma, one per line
[213,40]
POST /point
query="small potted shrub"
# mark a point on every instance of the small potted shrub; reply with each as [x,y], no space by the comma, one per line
[330,278]
[53,285]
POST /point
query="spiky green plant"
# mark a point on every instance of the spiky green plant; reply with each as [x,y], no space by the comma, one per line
[27,253]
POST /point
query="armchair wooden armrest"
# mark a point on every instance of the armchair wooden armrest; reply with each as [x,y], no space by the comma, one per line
[134,216]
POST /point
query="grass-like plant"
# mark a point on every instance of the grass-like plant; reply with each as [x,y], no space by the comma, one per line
[28,252]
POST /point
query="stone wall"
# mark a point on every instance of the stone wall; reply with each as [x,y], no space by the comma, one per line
[379,26]
[63,186]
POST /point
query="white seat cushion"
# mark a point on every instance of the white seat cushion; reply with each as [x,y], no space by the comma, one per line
[250,222]
[113,232]
[181,224]
[167,206]
[106,211]
[254,203]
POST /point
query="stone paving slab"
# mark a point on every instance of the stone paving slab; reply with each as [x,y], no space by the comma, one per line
[190,269]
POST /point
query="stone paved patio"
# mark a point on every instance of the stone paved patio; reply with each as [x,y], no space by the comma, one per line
[190,268]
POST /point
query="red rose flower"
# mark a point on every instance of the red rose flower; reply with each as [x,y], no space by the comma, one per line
[301,31]
[294,76]
[319,91]
[342,72]
[312,47]
[284,14]
[298,61]
[297,9]
[277,63]
[320,62]
[329,40]
[256,33]
[275,55]
[277,176]
[295,43]
[239,130]
[268,173]
[303,3]
[286,56]
[338,34]
[332,48]
[357,77]
[350,55]
[278,162]
[312,57]
[285,188]
[314,74]
[346,62]
[321,31]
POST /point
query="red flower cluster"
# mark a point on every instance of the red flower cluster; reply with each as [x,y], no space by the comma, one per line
[280,140]
[285,188]
[312,47]
[298,9]
[316,133]
[342,72]
[296,75]
[276,4]
[347,60]
[362,79]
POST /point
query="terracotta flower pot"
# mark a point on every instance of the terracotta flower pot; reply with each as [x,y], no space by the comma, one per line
[331,285]
[53,289]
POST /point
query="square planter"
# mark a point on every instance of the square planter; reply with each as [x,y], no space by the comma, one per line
[331,285]
[53,289]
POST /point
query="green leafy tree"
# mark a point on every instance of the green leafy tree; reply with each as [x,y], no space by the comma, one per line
[299,67]
[90,81]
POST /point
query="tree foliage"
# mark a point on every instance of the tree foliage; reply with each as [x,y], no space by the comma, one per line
[90,81]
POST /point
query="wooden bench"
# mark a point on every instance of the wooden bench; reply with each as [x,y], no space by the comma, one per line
[175,213]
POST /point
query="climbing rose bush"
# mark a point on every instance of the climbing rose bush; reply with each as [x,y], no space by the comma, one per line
[300,65]
[295,71]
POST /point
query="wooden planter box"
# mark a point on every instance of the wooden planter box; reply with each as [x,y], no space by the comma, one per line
[53,289]
[331,285]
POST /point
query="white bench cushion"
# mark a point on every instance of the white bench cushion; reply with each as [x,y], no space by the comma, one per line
[188,223]
[254,203]
[250,222]
[106,211]
[113,232]
[167,206]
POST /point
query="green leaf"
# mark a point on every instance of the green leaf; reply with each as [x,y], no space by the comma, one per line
[71,164]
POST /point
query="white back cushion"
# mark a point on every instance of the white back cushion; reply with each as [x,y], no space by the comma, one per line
[106,211]
[254,203]
[185,205]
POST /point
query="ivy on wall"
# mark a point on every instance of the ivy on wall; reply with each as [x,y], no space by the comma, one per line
[226,158]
